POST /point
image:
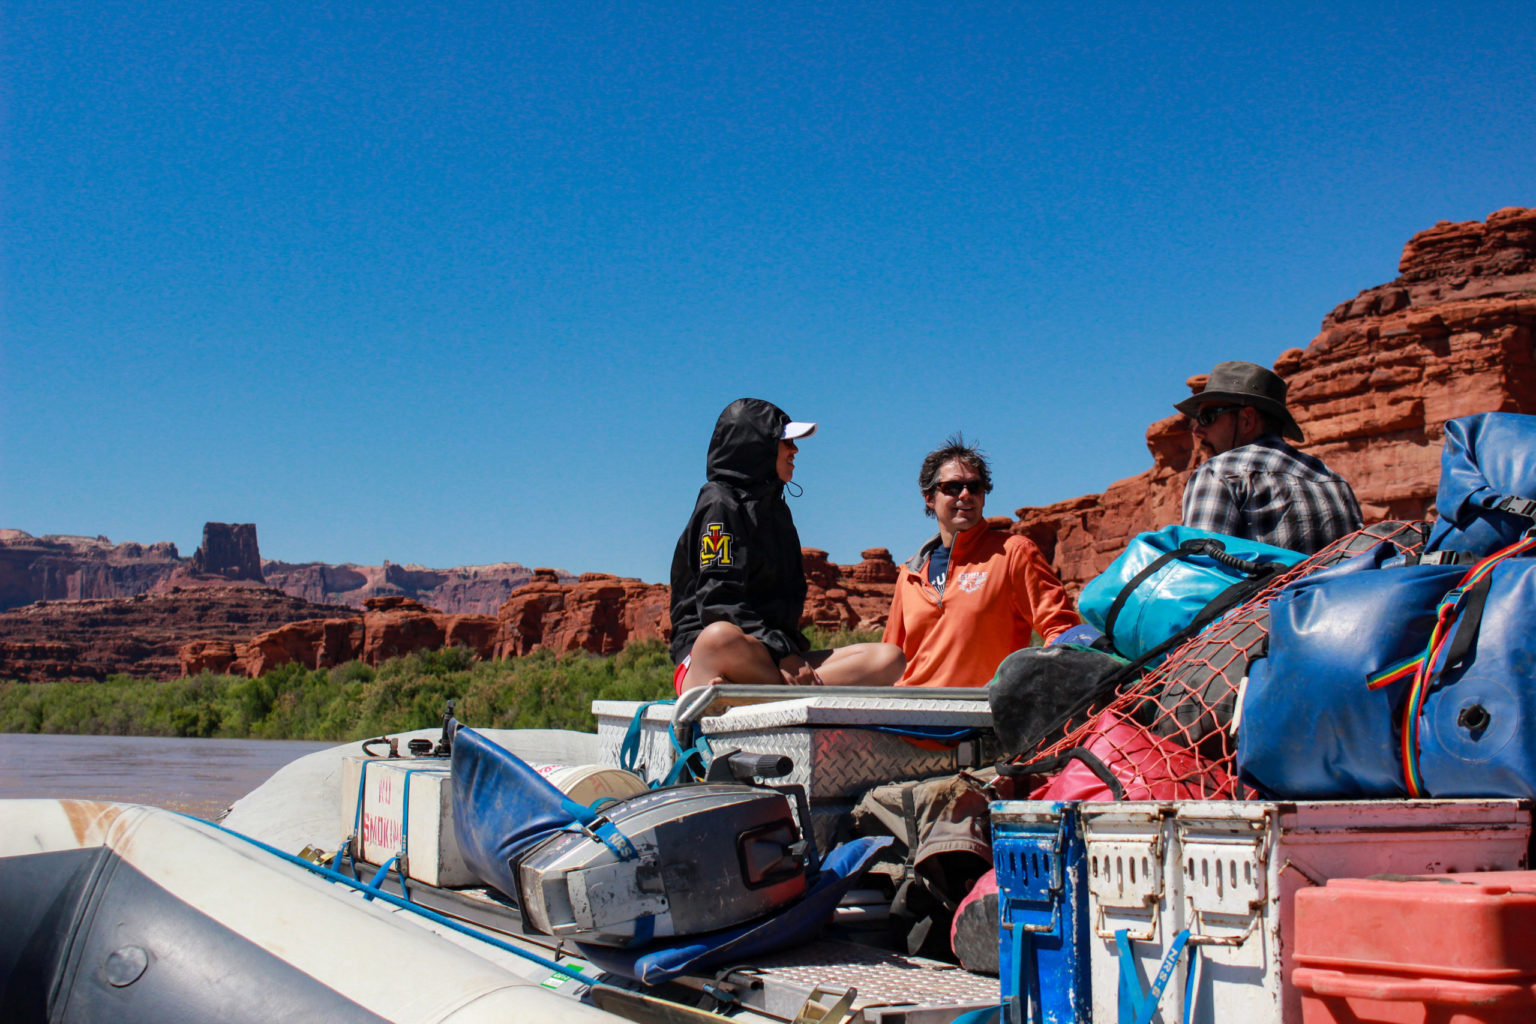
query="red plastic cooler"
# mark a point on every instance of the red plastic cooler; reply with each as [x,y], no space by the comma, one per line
[1436,949]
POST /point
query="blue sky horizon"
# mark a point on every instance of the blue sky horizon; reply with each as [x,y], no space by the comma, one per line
[470,285]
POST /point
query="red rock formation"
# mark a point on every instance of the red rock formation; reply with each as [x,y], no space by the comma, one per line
[598,613]
[57,568]
[313,643]
[140,636]
[1452,335]
[200,656]
[470,589]
[389,627]
[228,550]
[848,596]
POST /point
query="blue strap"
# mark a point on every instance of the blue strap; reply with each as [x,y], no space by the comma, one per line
[936,733]
[357,823]
[1189,983]
[436,918]
[985,1015]
[379,876]
[1137,1007]
[684,758]
[1024,1004]
[629,750]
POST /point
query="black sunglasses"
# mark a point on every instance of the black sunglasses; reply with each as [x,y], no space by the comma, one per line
[954,488]
[1209,414]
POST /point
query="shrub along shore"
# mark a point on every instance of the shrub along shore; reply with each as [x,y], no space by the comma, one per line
[355,701]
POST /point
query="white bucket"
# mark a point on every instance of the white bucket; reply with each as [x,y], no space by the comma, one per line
[585,783]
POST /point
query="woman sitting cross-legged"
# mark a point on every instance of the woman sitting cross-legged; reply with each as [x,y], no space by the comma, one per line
[738,583]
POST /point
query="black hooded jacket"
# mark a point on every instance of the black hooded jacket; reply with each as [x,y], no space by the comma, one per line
[738,559]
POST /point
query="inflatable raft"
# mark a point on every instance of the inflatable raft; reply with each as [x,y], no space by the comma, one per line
[132,914]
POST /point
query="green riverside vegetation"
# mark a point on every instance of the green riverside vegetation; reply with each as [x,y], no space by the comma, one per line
[355,701]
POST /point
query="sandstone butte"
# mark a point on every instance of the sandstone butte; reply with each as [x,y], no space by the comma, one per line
[1452,335]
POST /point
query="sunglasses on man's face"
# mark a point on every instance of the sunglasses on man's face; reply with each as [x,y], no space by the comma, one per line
[954,488]
[1211,413]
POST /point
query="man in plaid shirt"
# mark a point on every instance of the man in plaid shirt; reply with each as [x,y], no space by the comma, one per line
[1253,484]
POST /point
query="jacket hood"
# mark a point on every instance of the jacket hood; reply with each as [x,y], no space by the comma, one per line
[744,449]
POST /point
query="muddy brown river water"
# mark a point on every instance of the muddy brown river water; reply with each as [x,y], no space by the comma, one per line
[200,777]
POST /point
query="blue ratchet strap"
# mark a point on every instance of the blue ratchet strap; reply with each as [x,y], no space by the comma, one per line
[589,821]
[1137,1007]
[1025,1001]
[357,825]
[629,750]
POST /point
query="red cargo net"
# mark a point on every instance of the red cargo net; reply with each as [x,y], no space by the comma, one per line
[1182,745]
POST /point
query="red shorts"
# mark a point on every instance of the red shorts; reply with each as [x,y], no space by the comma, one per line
[679,673]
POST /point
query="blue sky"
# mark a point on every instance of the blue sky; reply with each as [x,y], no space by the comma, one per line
[465,283]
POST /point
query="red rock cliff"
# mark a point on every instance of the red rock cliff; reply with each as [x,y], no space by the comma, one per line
[1452,335]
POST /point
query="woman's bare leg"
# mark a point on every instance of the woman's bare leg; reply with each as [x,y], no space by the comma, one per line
[724,654]
[876,664]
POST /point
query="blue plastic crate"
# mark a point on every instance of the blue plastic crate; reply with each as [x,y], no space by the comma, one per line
[1037,849]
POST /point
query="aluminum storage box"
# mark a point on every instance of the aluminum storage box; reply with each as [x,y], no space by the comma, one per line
[1228,872]
[840,745]
[407,808]
[837,744]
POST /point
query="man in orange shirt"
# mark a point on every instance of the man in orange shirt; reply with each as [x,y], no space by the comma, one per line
[973,594]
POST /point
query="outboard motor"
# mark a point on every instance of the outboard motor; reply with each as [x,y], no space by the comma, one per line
[704,857]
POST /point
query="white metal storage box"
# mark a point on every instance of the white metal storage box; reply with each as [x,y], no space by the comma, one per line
[1228,870]
[407,807]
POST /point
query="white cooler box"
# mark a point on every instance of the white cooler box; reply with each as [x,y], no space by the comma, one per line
[1227,871]
[407,805]
[836,755]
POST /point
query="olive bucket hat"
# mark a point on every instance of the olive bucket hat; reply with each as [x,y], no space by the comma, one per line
[1244,384]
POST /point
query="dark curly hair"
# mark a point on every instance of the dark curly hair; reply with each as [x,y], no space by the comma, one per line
[954,448]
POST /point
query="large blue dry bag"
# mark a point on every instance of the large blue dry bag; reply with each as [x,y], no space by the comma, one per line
[1164,579]
[1312,728]
[1487,483]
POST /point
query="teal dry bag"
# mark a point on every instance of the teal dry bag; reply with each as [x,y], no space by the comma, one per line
[1176,580]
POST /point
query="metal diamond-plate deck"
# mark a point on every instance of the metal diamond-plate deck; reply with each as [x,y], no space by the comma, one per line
[882,979]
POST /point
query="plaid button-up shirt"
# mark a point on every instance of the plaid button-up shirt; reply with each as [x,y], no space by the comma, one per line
[1270,492]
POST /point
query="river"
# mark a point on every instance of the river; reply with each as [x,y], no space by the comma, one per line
[200,777]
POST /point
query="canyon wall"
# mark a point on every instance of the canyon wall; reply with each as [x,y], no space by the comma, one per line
[63,568]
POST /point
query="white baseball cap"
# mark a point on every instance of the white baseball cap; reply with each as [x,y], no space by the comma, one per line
[794,431]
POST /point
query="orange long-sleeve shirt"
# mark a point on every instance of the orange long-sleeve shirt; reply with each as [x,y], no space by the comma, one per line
[999,591]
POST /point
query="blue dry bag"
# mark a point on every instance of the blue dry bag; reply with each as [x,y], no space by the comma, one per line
[1164,580]
[1487,494]
[1411,681]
